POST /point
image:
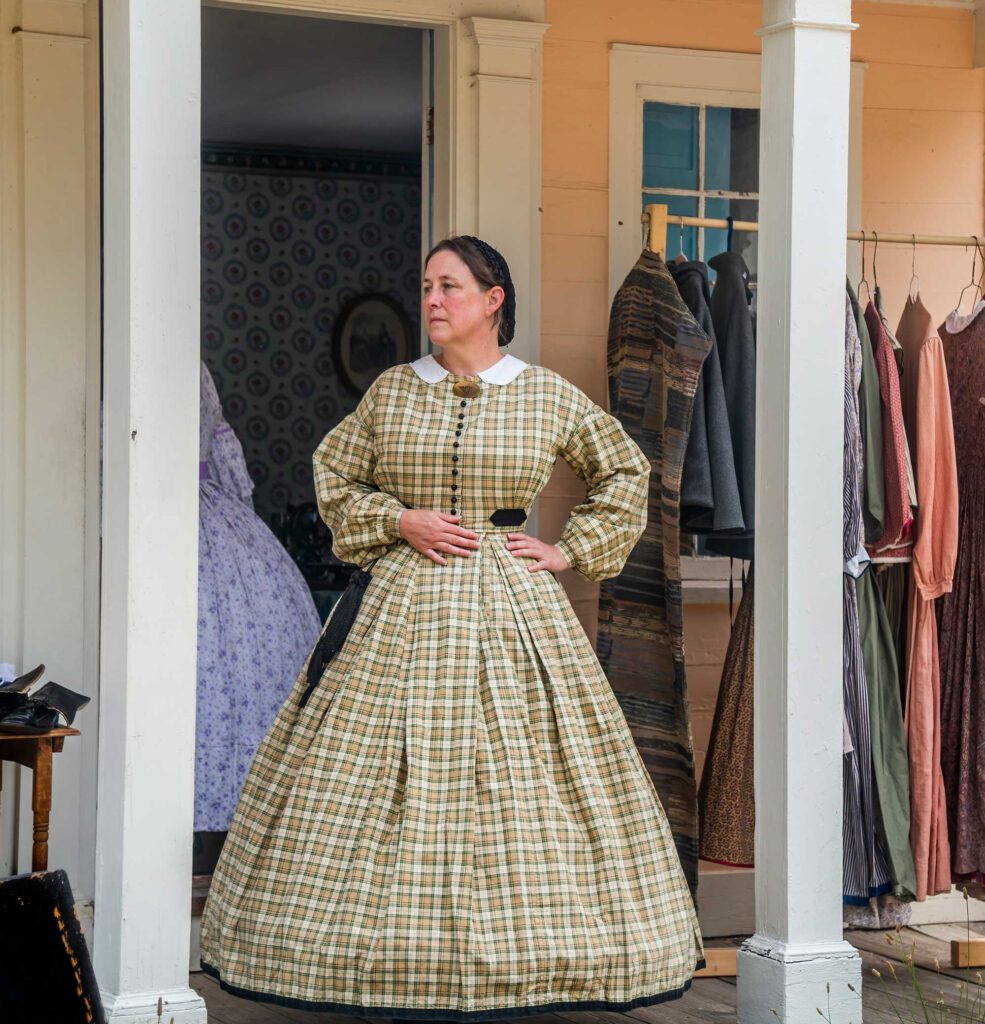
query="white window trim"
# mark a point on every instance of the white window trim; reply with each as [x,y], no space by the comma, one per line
[640,74]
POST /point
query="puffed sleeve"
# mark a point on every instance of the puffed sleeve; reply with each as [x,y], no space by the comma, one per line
[363,519]
[601,532]
[936,548]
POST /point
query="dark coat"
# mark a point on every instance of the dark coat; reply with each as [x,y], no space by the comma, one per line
[710,501]
[736,339]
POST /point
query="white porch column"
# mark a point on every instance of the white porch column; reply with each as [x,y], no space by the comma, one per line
[798,949]
[507,85]
[151,95]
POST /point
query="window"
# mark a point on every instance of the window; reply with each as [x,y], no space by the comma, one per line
[684,131]
[703,161]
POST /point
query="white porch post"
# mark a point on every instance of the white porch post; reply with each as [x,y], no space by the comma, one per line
[507,84]
[151,95]
[798,949]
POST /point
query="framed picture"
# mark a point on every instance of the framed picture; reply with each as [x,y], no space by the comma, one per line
[371,333]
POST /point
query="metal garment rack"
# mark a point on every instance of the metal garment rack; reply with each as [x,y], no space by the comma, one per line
[721,960]
[657,218]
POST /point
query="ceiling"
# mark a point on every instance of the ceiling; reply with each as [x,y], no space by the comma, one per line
[317,83]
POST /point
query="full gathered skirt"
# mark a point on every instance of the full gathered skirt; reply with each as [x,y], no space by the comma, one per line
[458,823]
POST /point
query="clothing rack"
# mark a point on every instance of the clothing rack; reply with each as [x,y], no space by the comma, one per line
[657,218]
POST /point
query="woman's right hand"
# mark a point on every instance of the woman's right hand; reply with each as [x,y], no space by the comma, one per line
[431,532]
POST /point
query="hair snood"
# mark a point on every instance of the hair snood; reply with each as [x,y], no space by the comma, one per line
[501,272]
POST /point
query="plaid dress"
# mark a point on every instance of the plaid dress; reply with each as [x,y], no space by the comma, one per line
[458,824]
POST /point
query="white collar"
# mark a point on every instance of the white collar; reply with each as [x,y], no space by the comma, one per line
[956,322]
[509,367]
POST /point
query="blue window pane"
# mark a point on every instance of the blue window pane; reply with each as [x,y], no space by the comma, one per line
[670,146]
[683,206]
[732,149]
[718,148]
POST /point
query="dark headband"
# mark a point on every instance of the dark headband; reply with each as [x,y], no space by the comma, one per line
[500,270]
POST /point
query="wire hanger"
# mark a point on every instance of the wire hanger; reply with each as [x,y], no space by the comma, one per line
[681,256]
[981,276]
[913,295]
[862,280]
[974,282]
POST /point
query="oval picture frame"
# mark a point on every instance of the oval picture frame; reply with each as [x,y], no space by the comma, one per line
[371,333]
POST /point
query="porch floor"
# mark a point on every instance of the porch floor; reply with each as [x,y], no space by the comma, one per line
[712,1000]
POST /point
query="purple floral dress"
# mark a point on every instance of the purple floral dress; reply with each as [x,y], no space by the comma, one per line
[256,620]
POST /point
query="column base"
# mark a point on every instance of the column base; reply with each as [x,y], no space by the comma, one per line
[182,1006]
[790,984]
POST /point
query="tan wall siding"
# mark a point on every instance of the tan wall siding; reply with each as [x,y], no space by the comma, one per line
[923,157]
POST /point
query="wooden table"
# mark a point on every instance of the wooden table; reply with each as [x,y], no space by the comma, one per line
[34,752]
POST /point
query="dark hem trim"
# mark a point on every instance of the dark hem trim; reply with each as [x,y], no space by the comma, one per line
[443,1014]
[726,863]
[863,901]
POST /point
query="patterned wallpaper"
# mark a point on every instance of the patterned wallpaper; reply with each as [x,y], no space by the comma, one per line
[285,244]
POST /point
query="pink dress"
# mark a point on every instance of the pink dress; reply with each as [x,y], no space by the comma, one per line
[927,414]
[893,545]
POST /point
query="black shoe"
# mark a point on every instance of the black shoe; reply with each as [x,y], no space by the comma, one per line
[21,683]
[10,701]
[65,701]
[43,710]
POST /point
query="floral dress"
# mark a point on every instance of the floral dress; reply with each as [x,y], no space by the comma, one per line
[256,620]
[457,824]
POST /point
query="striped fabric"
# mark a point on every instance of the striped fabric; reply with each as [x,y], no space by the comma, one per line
[866,872]
[458,825]
[655,353]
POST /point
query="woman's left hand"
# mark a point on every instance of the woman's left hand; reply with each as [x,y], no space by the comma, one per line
[548,556]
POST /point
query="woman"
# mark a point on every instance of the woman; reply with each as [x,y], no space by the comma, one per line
[256,624]
[457,824]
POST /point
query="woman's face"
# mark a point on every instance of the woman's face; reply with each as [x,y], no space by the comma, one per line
[453,304]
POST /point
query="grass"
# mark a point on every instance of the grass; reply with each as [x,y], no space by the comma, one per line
[908,1000]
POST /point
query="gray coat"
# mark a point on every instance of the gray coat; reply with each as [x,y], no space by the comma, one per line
[736,339]
[710,500]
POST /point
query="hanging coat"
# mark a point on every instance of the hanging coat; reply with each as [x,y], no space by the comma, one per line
[893,544]
[927,415]
[865,873]
[889,757]
[735,335]
[961,612]
[655,353]
[709,491]
[870,427]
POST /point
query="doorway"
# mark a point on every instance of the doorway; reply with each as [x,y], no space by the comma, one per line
[315,211]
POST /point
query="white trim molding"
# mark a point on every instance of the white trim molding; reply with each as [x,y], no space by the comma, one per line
[508,157]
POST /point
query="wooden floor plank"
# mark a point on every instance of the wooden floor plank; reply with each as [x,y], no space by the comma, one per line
[927,952]
[711,1000]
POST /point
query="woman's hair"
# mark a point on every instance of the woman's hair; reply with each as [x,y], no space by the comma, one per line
[489,269]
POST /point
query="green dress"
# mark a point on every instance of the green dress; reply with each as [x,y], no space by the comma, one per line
[458,823]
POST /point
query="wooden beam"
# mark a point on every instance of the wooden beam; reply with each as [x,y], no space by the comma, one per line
[968,953]
[719,963]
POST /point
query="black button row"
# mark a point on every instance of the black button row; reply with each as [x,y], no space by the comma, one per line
[454,472]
